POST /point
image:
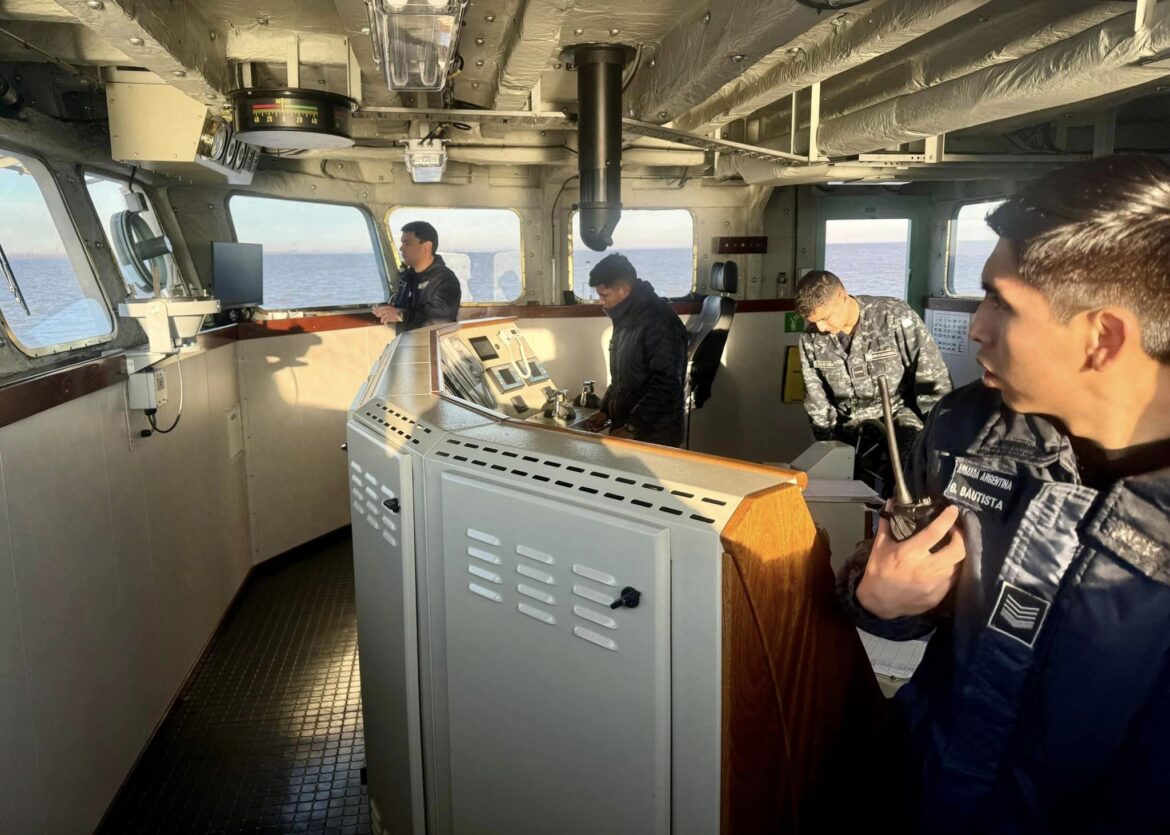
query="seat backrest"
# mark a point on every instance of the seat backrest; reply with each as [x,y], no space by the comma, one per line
[707,331]
[701,324]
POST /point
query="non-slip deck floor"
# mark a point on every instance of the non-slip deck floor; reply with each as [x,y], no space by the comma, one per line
[267,735]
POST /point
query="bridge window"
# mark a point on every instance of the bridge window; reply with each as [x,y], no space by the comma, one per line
[971,241]
[481,246]
[871,256]
[49,297]
[116,210]
[315,254]
[660,243]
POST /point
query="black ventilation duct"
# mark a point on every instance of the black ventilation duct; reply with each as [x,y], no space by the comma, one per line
[599,139]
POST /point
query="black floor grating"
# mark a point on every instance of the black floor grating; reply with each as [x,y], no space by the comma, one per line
[267,735]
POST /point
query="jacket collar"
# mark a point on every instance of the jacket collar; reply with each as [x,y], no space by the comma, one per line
[639,295]
[435,266]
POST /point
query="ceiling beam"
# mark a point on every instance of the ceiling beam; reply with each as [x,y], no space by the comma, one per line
[175,40]
[355,21]
[46,11]
[71,44]
[842,43]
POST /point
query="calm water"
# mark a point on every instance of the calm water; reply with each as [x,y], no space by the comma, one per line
[60,310]
[879,269]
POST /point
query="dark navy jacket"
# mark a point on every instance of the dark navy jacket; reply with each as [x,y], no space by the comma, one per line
[647,366]
[1043,702]
[428,297]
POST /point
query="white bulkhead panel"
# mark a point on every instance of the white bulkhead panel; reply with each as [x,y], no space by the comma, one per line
[558,705]
[380,492]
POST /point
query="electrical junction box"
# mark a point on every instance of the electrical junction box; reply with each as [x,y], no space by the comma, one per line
[147,389]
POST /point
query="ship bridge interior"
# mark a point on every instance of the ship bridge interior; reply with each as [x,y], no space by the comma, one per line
[163,439]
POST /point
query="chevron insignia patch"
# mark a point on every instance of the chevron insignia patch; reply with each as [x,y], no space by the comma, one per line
[1018,614]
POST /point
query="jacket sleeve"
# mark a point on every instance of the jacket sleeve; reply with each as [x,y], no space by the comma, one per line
[665,347]
[850,574]
[442,304]
[821,413]
[931,380]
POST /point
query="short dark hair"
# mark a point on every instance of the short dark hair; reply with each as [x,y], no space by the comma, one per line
[614,268]
[424,232]
[1097,233]
[815,288]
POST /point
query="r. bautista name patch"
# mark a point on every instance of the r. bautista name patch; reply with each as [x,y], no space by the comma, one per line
[978,488]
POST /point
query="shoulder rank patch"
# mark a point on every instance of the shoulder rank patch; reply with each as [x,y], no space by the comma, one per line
[978,488]
[1018,614]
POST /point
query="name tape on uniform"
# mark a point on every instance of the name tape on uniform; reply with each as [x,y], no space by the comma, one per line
[979,489]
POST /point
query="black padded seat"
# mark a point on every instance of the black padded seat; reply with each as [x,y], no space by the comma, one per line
[707,332]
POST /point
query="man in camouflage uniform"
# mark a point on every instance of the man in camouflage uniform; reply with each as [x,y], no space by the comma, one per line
[849,343]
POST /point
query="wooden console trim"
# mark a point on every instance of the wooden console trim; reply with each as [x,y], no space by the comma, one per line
[803,716]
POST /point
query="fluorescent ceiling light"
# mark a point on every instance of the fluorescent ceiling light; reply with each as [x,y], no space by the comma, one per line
[414,40]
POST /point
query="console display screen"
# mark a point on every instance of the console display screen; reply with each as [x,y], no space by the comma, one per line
[483,347]
[507,376]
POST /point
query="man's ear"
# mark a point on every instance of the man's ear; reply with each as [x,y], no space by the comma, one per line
[1110,331]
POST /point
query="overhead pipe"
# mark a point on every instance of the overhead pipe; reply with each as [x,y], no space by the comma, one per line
[599,136]
[1098,62]
[1005,32]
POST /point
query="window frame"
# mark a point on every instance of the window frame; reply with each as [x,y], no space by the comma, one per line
[180,278]
[519,300]
[76,252]
[952,241]
[371,227]
[572,286]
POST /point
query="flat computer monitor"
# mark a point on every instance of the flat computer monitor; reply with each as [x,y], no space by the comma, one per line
[238,273]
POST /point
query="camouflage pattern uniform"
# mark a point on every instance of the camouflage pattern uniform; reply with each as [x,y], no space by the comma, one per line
[841,390]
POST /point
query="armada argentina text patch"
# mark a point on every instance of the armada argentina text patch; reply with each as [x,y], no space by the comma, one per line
[978,488]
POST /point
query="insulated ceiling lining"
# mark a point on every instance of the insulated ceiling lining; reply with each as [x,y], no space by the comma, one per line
[840,43]
[302,15]
[1001,31]
[635,21]
[698,56]
[1098,62]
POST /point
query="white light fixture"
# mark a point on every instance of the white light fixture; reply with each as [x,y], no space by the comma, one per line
[414,40]
[425,160]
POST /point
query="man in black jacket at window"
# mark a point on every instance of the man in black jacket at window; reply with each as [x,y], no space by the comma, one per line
[428,292]
[647,358]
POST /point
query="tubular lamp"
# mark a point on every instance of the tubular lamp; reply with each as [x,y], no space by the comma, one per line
[414,40]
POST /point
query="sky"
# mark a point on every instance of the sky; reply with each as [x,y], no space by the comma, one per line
[26,228]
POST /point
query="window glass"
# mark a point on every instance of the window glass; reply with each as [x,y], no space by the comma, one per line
[315,254]
[109,198]
[871,256]
[660,243]
[63,305]
[971,242]
[481,246]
